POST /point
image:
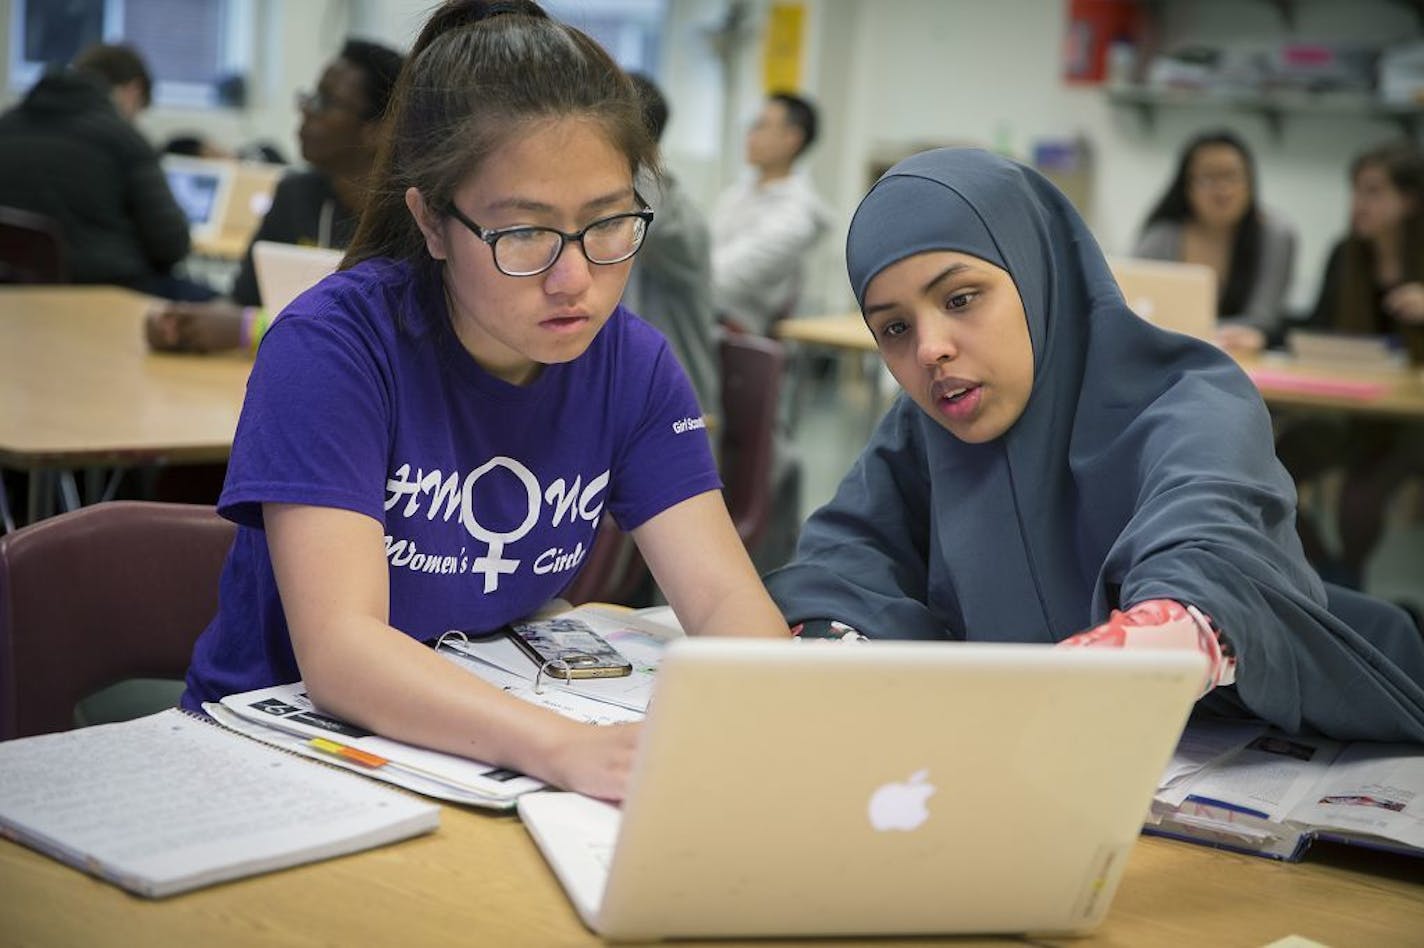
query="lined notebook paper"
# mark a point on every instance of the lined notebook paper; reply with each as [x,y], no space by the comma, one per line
[172,802]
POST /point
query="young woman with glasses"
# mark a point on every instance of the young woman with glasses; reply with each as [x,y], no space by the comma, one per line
[1211,214]
[431,434]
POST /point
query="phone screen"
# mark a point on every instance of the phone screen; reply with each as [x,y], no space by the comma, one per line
[572,642]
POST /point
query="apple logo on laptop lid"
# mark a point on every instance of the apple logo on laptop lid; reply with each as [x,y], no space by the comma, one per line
[901,806]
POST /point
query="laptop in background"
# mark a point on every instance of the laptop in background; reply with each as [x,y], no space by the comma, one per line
[250,196]
[787,789]
[285,271]
[201,188]
[1176,296]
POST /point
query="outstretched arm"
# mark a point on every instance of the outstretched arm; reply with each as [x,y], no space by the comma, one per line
[332,574]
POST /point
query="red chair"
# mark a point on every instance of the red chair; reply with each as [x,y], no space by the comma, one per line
[753,369]
[31,248]
[613,571]
[104,594]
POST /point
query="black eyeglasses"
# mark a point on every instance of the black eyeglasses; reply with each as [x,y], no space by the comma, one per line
[319,101]
[529,251]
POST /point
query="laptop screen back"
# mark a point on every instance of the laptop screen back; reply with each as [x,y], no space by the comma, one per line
[1176,296]
[892,787]
[201,189]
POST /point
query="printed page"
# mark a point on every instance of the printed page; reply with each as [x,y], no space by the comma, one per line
[288,708]
[410,780]
[1202,744]
[1270,776]
[169,802]
[1373,790]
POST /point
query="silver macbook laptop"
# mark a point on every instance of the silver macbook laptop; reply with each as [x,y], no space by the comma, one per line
[797,789]
[1176,296]
[285,271]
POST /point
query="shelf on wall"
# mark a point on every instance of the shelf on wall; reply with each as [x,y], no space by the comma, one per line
[1271,106]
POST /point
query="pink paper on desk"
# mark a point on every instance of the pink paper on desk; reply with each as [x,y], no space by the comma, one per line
[1316,385]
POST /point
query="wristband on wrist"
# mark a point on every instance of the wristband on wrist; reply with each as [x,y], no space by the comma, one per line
[255,324]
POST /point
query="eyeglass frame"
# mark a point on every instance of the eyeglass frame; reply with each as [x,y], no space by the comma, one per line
[321,103]
[492,236]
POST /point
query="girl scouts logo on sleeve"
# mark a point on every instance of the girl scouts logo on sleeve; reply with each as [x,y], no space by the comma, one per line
[685,425]
[433,494]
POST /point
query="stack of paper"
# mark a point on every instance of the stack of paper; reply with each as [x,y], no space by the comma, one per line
[1253,789]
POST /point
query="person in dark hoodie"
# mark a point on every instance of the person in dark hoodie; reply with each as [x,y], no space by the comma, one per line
[70,151]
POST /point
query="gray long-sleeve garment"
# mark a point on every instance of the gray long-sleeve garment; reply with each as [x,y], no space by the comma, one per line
[1141,468]
[1265,304]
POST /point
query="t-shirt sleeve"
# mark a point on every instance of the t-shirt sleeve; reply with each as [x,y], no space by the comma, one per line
[667,457]
[315,425]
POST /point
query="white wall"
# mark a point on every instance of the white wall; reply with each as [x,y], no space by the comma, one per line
[890,74]
[964,70]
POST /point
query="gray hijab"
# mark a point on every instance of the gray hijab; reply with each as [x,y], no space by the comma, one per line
[1141,468]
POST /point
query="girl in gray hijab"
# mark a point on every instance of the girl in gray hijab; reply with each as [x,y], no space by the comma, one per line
[1056,464]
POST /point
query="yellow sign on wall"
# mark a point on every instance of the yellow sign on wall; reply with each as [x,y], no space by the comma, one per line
[782,54]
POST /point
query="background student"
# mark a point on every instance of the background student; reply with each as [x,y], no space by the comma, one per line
[1373,285]
[764,226]
[70,151]
[318,207]
[1058,465]
[671,282]
[1210,214]
[430,438]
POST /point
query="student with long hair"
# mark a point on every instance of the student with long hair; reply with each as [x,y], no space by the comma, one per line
[1211,214]
[1058,470]
[1373,285]
[432,433]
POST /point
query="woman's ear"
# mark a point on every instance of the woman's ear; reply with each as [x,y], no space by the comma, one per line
[428,222]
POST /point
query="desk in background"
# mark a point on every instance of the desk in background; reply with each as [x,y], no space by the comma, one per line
[479,880]
[1283,384]
[80,389]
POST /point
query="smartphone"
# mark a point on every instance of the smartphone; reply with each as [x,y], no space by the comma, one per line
[569,644]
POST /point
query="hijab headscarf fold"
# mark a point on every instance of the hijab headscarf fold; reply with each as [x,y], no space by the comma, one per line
[1141,468]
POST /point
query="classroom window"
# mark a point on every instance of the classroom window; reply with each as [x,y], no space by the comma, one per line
[631,30]
[197,50]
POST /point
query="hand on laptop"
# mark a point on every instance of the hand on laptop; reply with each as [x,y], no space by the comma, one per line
[1163,623]
[194,327]
[595,760]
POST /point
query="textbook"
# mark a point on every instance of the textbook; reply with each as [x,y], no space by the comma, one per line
[1249,788]
[170,802]
[285,716]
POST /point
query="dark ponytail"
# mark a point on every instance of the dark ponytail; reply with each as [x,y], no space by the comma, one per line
[476,75]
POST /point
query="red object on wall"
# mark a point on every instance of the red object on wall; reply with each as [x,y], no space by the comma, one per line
[1093,26]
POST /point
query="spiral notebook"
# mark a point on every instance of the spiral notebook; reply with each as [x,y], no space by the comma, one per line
[172,802]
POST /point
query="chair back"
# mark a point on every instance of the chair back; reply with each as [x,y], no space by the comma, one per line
[31,248]
[99,595]
[613,571]
[753,368]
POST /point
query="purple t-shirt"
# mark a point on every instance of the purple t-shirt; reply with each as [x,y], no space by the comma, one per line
[362,398]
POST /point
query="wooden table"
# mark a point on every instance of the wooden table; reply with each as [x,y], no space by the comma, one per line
[1282,382]
[80,389]
[479,880]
